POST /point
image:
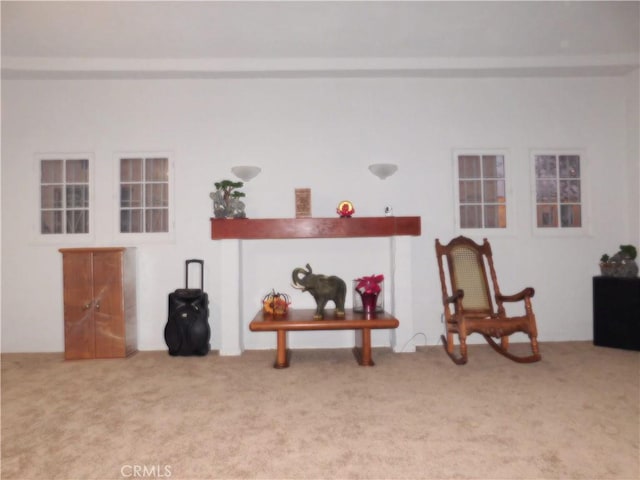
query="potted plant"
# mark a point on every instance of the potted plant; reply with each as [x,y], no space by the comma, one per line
[226,200]
[622,264]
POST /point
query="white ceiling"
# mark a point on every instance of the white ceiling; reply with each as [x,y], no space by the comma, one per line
[205,38]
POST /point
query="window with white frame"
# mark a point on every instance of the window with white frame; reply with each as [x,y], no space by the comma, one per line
[558,184]
[64,195]
[481,188]
[144,194]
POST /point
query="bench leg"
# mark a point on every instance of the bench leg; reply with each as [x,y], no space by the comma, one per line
[362,350]
[282,354]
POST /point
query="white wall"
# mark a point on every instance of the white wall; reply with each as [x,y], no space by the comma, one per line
[320,133]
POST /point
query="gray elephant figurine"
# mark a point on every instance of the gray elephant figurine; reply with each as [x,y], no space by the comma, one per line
[322,287]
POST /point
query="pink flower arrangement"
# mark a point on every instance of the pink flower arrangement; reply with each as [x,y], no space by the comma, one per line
[370,284]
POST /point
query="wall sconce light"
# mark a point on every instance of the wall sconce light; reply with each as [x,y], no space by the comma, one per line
[383,170]
[245,172]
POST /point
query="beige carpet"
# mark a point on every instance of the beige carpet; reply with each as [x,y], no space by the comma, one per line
[575,415]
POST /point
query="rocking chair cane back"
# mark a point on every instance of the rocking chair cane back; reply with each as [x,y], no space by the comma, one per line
[470,299]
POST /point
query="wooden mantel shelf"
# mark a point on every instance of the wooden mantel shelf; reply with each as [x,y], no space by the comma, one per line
[266,228]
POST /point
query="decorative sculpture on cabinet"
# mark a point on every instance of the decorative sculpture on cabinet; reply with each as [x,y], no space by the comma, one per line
[323,288]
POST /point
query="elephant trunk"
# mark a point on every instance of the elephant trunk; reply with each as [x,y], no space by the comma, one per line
[297,276]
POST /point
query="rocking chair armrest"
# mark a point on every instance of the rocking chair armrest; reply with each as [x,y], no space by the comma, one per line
[528,292]
[455,297]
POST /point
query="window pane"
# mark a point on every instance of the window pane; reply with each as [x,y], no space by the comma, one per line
[157,195]
[546,166]
[495,216]
[131,221]
[470,191]
[157,170]
[51,222]
[77,171]
[469,166]
[470,216]
[125,221]
[51,171]
[570,216]
[494,191]
[51,196]
[547,216]
[157,220]
[78,221]
[546,191]
[77,196]
[569,166]
[131,195]
[569,191]
[131,170]
[493,166]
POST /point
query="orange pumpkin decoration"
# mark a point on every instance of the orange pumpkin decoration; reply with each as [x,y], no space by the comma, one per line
[276,303]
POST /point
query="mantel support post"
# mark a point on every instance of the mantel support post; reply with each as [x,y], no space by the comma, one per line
[231,336]
[401,294]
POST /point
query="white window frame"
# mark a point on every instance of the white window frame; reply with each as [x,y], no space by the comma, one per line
[62,238]
[140,238]
[510,203]
[585,194]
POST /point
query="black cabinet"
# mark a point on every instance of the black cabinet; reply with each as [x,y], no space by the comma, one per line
[616,312]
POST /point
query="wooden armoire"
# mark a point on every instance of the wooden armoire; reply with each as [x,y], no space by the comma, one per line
[99,286]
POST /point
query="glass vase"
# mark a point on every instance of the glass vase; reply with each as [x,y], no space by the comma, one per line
[368,303]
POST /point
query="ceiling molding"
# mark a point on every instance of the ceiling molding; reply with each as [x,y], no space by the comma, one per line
[255,39]
[48,67]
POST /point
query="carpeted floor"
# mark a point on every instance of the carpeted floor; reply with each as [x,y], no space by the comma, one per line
[574,415]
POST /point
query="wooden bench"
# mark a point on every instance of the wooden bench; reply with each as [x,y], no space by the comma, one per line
[302,320]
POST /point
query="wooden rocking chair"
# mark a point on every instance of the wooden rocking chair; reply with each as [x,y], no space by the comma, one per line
[473,310]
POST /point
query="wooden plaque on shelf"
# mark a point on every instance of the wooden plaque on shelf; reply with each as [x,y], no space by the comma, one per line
[303,202]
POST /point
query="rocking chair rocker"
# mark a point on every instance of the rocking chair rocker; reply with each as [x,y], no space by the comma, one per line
[473,310]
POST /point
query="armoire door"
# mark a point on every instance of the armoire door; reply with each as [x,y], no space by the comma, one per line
[79,330]
[108,304]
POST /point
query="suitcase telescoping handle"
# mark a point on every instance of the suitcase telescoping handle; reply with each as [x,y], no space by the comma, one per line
[186,272]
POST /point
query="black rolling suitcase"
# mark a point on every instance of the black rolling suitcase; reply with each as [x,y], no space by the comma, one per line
[187,331]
